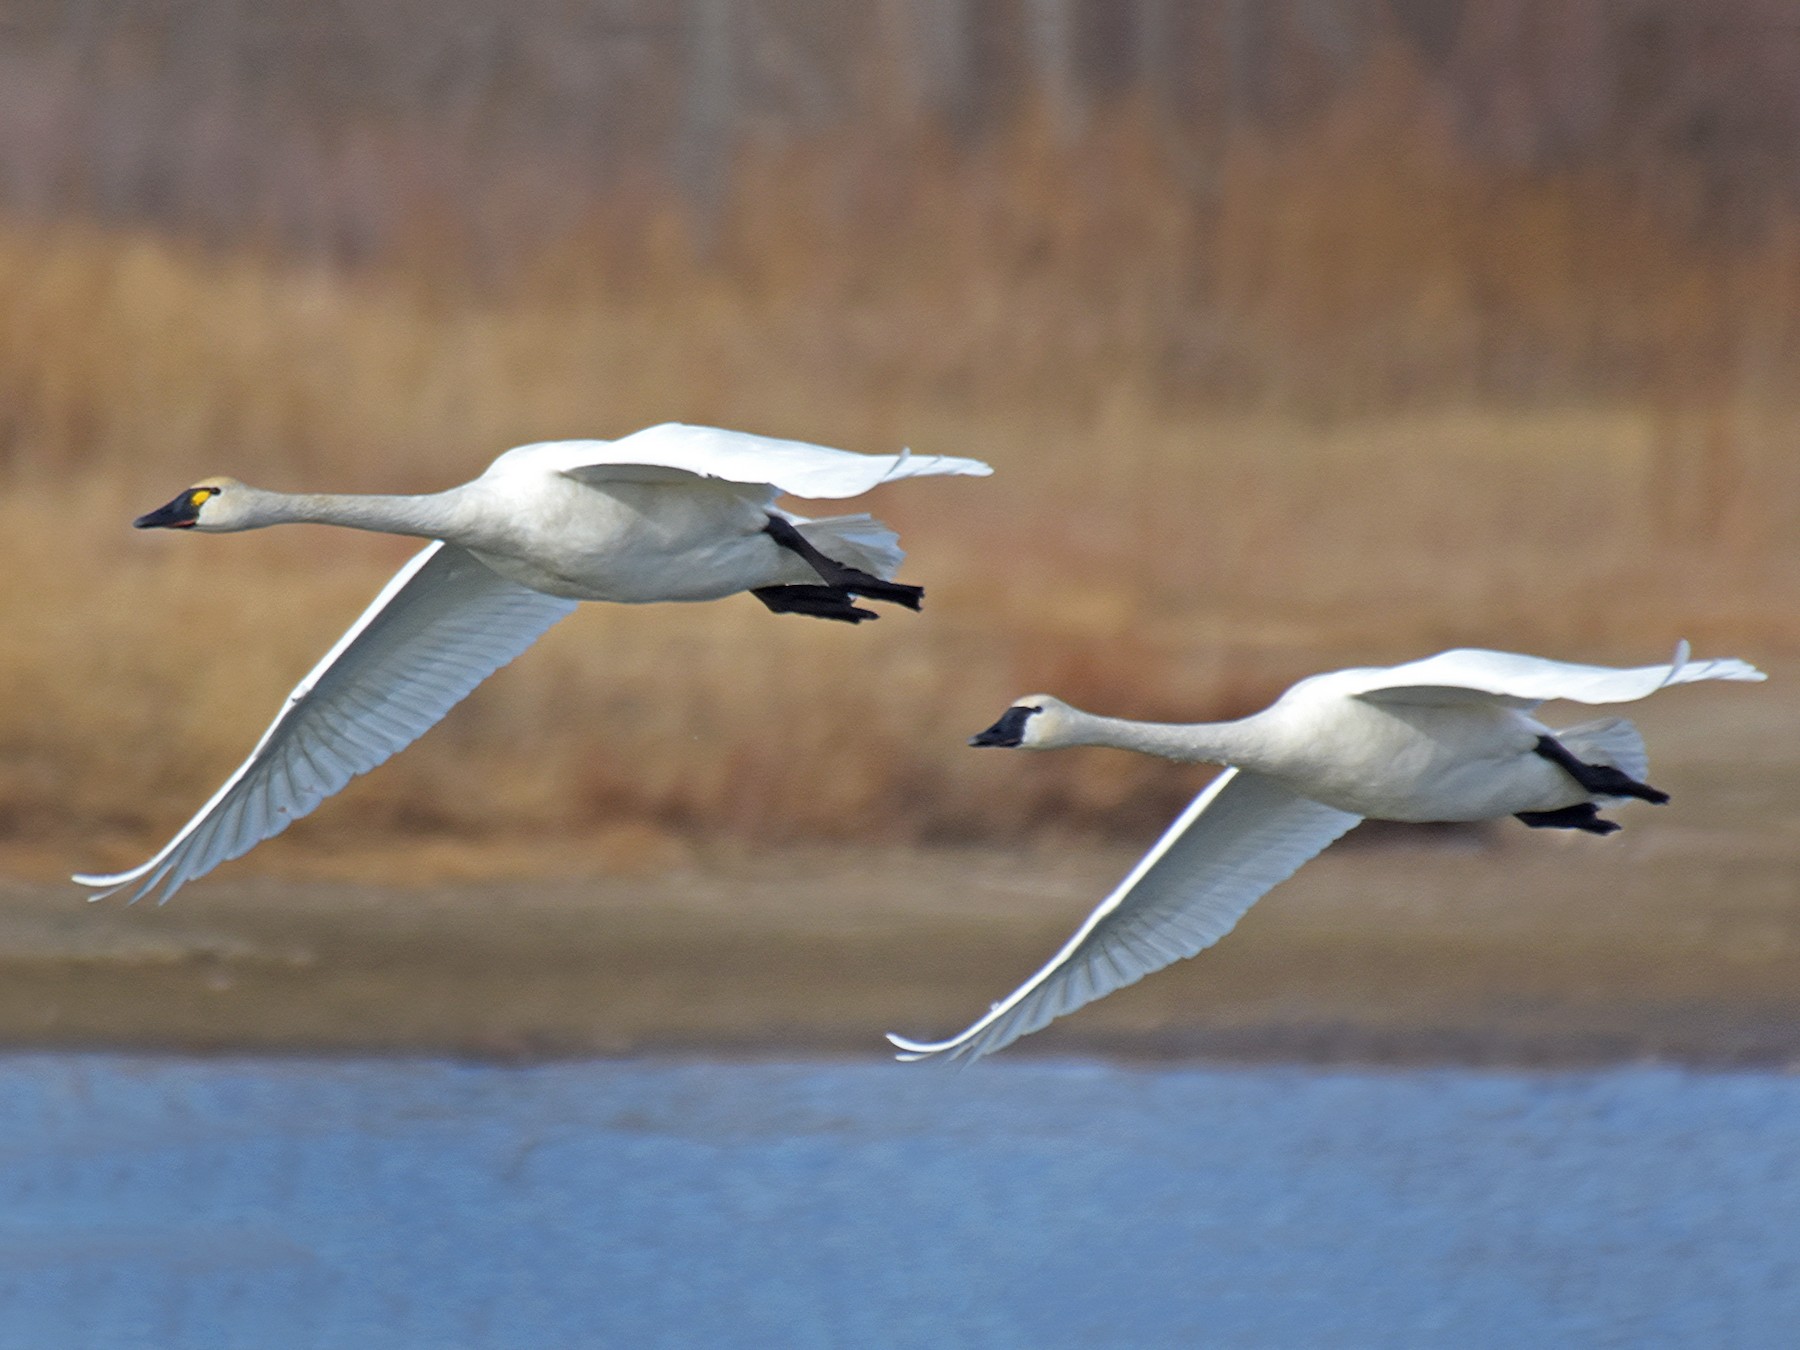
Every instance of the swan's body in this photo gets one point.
(1449, 738)
(670, 513)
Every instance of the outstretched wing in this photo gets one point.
(1526, 681)
(736, 456)
(439, 628)
(1239, 838)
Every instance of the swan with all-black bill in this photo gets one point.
(670, 513)
(1449, 738)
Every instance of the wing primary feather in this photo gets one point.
(1241, 836)
(440, 626)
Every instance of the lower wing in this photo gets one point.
(1242, 836)
(443, 625)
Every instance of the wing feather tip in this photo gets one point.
(908, 465)
(913, 1052)
(104, 887)
(1685, 670)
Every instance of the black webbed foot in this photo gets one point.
(1600, 779)
(1584, 816)
(840, 576)
(821, 602)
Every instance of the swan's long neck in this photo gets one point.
(1238, 742)
(438, 515)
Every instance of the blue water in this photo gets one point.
(268, 1204)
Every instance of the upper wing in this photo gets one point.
(739, 457)
(1243, 835)
(1525, 681)
(439, 628)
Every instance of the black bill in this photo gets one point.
(179, 514)
(1009, 731)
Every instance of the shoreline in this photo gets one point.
(1492, 948)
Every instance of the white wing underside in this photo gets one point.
(1469, 674)
(1242, 836)
(442, 625)
(793, 467)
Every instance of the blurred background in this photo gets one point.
(1300, 333)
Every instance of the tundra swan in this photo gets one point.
(668, 513)
(1448, 738)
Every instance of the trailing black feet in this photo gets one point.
(1585, 816)
(837, 575)
(1600, 779)
(821, 602)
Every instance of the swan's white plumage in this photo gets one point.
(1446, 738)
(1239, 838)
(545, 527)
(793, 467)
(1471, 674)
(439, 628)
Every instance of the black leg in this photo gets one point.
(839, 575)
(1600, 779)
(822, 602)
(1585, 816)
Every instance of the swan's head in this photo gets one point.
(1032, 723)
(211, 504)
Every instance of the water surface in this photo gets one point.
(274, 1203)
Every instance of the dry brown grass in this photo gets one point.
(1370, 403)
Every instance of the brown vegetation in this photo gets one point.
(1364, 401)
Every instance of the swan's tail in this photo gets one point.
(857, 541)
(1611, 740)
